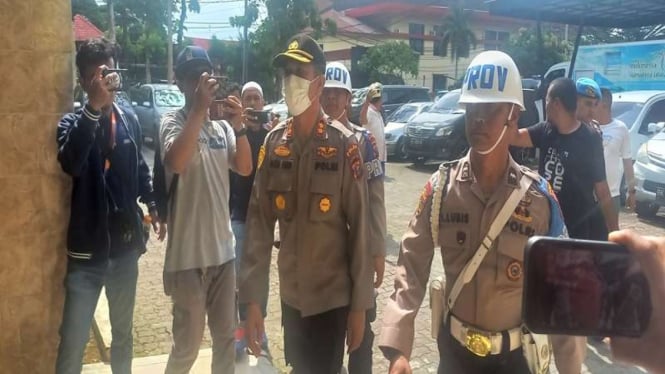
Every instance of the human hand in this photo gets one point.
(232, 110)
(254, 328)
(400, 365)
(355, 329)
(158, 225)
(650, 253)
(379, 270)
(205, 92)
(100, 94)
(630, 201)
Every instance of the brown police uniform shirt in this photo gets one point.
(492, 301)
(317, 191)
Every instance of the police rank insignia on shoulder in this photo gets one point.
(427, 192)
(262, 156)
(353, 158)
(326, 152)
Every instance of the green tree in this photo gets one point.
(391, 58)
(457, 35)
(523, 47)
(285, 18)
(141, 32)
(95, 13)
(600, 35)
(186, 6)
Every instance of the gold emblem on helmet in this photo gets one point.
(294, 45)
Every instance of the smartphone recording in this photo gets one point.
(586, 288)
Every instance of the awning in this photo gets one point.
(600, 13)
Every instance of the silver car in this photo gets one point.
(395, 124)
(650, 173)
(151, 101)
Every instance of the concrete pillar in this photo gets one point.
(36, 52)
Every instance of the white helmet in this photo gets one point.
(338, 76)
(492, 77)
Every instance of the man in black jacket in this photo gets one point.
(100, 147)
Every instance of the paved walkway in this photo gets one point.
(152, 321)
(157, 364)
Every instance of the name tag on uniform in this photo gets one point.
(326, 165)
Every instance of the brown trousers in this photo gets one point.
(194, 293)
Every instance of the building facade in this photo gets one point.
(366, 23)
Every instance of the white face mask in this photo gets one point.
(296, 94)
(503, 132)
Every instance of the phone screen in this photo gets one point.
(578, 287)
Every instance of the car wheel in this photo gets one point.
(645, 209)
(401, 151)
(418, 161)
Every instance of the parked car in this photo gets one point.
(121, 97)
(440, 93)
(439, 133)
(638, 109)
(278, 108)
(393, 97)
(394, 131)
(151, 101)
(650, 173)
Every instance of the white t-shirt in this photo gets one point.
(616, 145)
(376, 127)
(199, 222)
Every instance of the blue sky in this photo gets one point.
(213, 19)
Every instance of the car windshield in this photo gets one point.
(626, 111)
(359, 96)
(448, 103)
(403, 114)
(169, 98)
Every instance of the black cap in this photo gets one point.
(301, 48)
(191, 56)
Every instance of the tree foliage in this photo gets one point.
(457, 35)
(185, 7)
(90, 9)
(523, 48)
(390, 58)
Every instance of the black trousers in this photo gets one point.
(360, 360)
(314, 344)
(456, 359)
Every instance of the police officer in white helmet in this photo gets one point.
(480, 210)
(336, 100)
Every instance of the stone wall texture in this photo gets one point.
(36, 77)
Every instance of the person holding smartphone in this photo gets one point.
(99, 146)
(257, 124)
(199, 268)
(482, 330)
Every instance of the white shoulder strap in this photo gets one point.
(437, 196)
(500, 221)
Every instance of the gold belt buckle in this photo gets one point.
(478, 343)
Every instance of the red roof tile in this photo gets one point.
(84, 29)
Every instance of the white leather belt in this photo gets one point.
(483, 343)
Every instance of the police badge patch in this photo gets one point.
(353, 158)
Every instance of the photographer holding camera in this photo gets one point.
(199, 272)
(99, 146)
